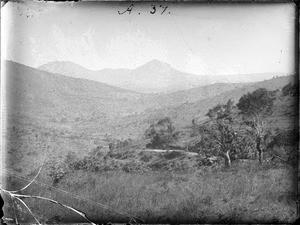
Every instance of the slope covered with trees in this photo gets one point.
(246, 130)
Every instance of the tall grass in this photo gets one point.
(248, 192)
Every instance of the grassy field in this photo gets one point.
(246, 193)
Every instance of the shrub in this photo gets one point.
(121, 154)
(284, 144)
(117, 144)
(146, 158)
(290, 90)
(98, 152)
(284, 138)
(83, 164)
(70, 159)
(161, 134)
(57, 172)
(134, 166)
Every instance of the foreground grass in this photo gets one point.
(248, 192)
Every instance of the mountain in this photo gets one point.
(36, 96)
(156, 76)
(152, 77)
(45, 96)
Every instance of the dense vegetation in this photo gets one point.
(234, 131)
(161, 134)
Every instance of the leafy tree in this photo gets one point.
(161, 134)
(220, 130)
(255, 107)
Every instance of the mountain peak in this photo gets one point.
(156, 65)
(157, 61)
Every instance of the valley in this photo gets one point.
(89, 138)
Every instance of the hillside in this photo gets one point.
(45, 96)
(193, 94)
(152, 77)
(35, 96)
(95, 108)
(183, 114)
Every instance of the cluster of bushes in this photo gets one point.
(130, 162)
(161, 134)
(97, 165)
(231, 132)
(284, 138)
(284, 145)
(116, 144)
(127, 161)
(57, 172)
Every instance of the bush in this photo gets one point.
(284, 138)
(98, 152)
(124, 154)
(134, 166)
(70, 159)
(83, 164)
(57, 172)
(290, 90)
(208, 161)
(121, 144)
(284, 145)
(174, 161)
(161, 134)
(146, 158)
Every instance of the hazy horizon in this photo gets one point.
(200, 39)
(275, 73)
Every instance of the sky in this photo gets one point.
(202, 39)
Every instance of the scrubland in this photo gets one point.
(248, 192)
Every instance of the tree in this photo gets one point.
(255, 107)
(161, 134)
(220, 130)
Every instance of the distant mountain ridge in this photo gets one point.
(152, 77)
(39, 97)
